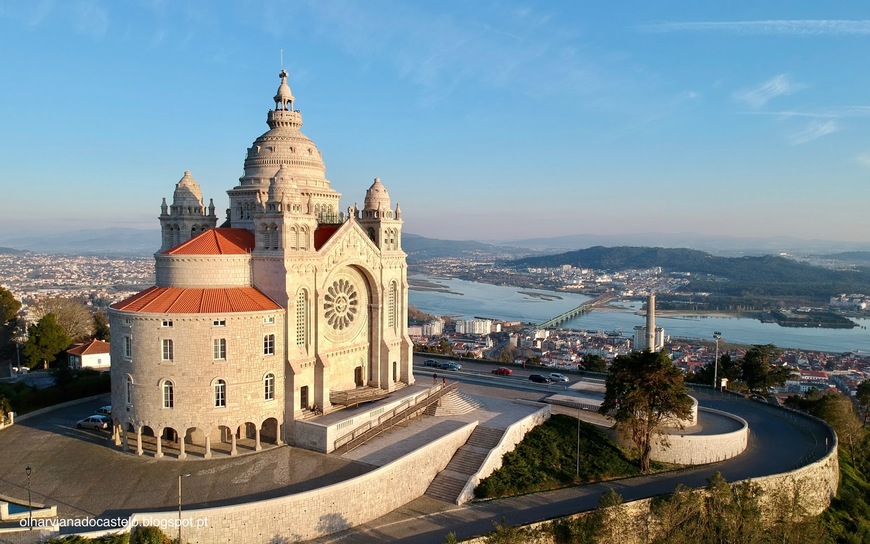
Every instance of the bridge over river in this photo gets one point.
(600, 300)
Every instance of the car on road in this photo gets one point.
(94, 422)
(430, 362)
(556, 377)
(104, 411)
(451, 366)
(502, 371)
(537, 378)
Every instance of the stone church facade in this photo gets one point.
(260, 322)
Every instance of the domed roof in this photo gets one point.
(187, 192)
(285, 145)
(282, 184)
(377, 197)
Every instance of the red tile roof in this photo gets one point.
(166, 300)
(91, 347)
(323, 234)
(216, 242)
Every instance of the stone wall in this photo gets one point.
(198, 271)
(513, 435)
(700, 449)
(323, 511)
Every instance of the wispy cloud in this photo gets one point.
(785, 27)
(776, 86)
(90, 18)
(814, 131)
(863, 159)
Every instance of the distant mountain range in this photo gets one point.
(139, 242)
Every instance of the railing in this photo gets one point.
(387, 420)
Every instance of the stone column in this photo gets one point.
(159, 453)
(257, 445)
(116, 433)
(139, 441)
(181, 453)
(207, 446)
(233, 450)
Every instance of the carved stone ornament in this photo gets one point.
(341, 304)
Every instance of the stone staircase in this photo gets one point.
(448, 484)
(452, 404)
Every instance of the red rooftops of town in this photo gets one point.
(163, 300)
(220, 241)
(91, 347)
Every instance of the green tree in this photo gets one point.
(46, 339)
(594, 363)
(759, 372)
(643, 391)
(101, 327)
(70, 314)
(8, 306)
(5, 407)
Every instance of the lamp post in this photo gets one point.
(578, 442)
(28, 471)
(716, 335)
(180, 476)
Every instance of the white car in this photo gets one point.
(556, 377)
(94, 422)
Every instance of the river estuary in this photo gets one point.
(470, 299)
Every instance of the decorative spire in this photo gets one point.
(284, 98)
(398, 211)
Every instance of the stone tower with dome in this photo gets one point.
(261, 322)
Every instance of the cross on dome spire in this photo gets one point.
(284, 98)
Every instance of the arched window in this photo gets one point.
(168, 394)
(220, 394)
(275, 241)
(269, 387)
(128, 396)
(303, 238)
(391, 306)
(302, 317)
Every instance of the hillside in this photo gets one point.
(765, 276)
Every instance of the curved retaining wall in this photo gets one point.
(512, 436)
(319, 512)
(700, 449)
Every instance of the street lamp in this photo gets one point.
(180, 476)
(28, 471)
(716, 335)
(578, 442)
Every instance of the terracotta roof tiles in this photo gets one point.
(216, 242)
(166, 300)
(91, 347)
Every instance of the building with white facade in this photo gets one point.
(258, 322)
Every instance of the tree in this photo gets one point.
(8, 306)
(644, 390)
(758, 371)
(70, 314)
(594, 363)
(46, 339)
(101, 327)
(5, 408)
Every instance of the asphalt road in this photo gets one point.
(779, 441)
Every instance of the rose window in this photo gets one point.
(341, 304)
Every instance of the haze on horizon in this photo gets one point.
(491, 120)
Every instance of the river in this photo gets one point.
(471, 299)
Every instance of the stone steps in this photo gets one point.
(452, 404)
(448, 484)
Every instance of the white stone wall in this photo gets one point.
(327, 510)
(194, 370)
(513, 435)
(196, 271)
(700, 449)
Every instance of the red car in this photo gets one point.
(502, 371)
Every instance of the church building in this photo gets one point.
(268, 318)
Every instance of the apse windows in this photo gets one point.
(302, 318)
(128, 392)
(219, 349)
(168, 350)
(269, 344)
(269, 387)
(168, 394)
(220, 394)
(128, 346)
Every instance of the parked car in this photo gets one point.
(104, 411)
(451, 366)
(537, 378)
(94, 422)
(556, 377)
(430, 362)
(502, 371)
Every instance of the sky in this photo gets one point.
(488, 120)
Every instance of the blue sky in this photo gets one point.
(484, 119)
